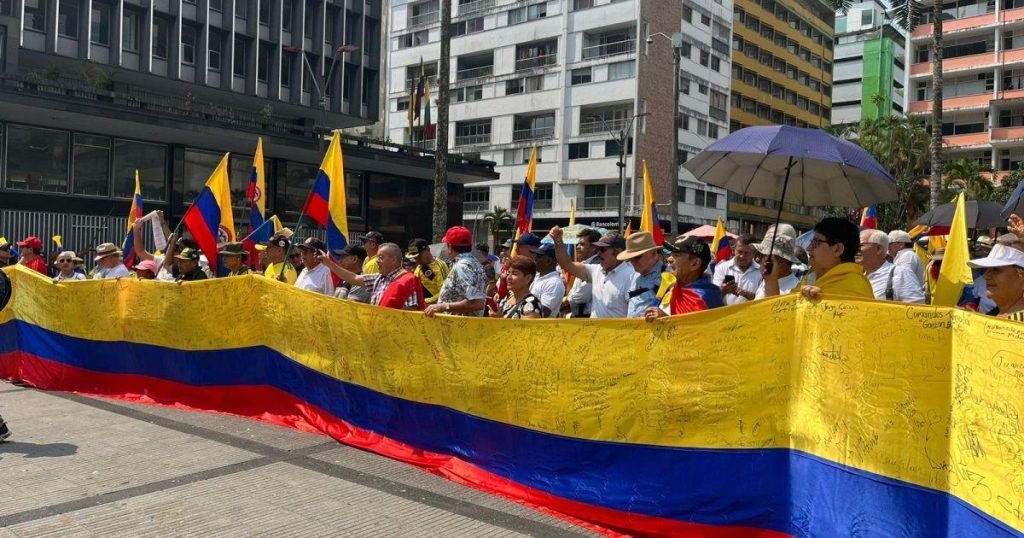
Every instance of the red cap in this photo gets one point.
(458, 236)
(32, 242)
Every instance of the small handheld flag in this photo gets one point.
(134, 214)
(58, 241)
(720, 248)
(649, 221)
(869, 218)
(210, 219)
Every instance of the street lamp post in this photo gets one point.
(621, 137)
(325, 84)
(677, 48)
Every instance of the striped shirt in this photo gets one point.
(378, 283)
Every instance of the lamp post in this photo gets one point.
(677, 47)
(621, 137)
(325, 84)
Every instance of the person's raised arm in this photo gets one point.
(140, 245)
(564, 261)
(344, 274)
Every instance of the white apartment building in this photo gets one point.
(568, 76)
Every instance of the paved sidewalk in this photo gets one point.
(79, 466)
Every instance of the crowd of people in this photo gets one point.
(603, 276)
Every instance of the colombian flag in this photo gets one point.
(209, 219)
(869, 218)
(649, 221)
(257, 196)
(524, 213)
(326, 202)
(134, 214)
(720, 248)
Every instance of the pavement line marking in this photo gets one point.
(271, 454)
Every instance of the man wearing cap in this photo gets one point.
(6, 256)
(108, 262)
(645, 257)
(890, 282)
(315, 276)
(65, 263)
(187, 260)
(1004, 277)
(739, 277)
(232, 255)
(394, 287)
(371, 242)
(580, 294)
(351, 258)
(548, 286)
(784, 257)
(693, 290)
(431, 271)
(464, 291)
(901, 252)
(277, 246)
(31, 247)
(610, 279)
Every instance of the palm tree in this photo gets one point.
(965, 175)
(440, 209)
(497, 220)
(908, 16)
(878, 99)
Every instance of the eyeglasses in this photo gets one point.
(816, 242)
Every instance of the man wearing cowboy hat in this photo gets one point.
(188, 265)
(31, 249)
(693, 290)
(108, 262)
(643, 254)
(233, 255)
(784, 257)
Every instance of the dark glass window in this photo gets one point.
(67, 18)
(91, 172)
(151, 162)
(100, 23)
(161, 37)
(130, 31)
(35, 15)
(42, 159)
(580, 150)
(215, 50)
(188, 44)
(241, 49)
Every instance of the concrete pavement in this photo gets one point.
(80, 466)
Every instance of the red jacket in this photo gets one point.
(398, 292)
(38, 265)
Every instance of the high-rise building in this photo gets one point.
(869, 68)
(91, 91)
(571, 78)
(781, 75)
(982, 79)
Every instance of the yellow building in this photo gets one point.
(781, 75)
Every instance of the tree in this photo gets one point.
(908, 16)
(497, 220)
(1005, 188)
(966, 175)
(440, 209)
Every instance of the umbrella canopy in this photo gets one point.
(705, 232)
(980, 215)
(795, 165)
(1015, 205)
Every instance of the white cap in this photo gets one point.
(1001, 256)
(899, 236)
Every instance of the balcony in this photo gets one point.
(960, 102)
(474, 72)
(596, 126)
(964, 141)
(424, 19)
(604, 50)
(476, 207)
(473, 7)
(956, 25)
(540, 61)
(962, 63)
(537, 133)
(599, 203)
(1007, 134)
(471, 140)
(1008, 57)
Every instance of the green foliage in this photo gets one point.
(966, 176)
(1008, 184)
(497, 220)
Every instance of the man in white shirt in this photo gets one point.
(315, 276)
(580, 295)
(610, 279)
(783, 256)
(108, 262)
(739, 277)
(901, 252)
(889, 282)
(548, 286)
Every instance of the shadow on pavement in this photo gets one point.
(33, 450)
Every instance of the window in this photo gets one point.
(91, 174)
(705, 198)
(286, 15)
(545, 192)
(100, 24)
(467, 27)
(401, 104)
(581, 76)
(582, 4)
(867, 17)
(161, 37)
(603, 196)
(684, 86)
(42, 163)
(469, 93)
(620, 70)
(579, 150)
(215, 50)
(705, 57)
(67, 18)
(477, 199)
(705, 19)
(524, 85)
(414, 39)
(684, 50)
(242, 9)
(473, 132)
(264, 11)
(241, 50)
(188, 44)
(716, 63)
(130, 31)
(217, 5)
(611, 147)
(702, 89)
(262, 61)
(35, 15)
(533, 127)
(312, 10)
(687, 13)
(712, 131)
(286, 69)
(534, 55)
(528, 13)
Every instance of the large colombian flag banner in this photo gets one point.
(835, 418)
(210, 219)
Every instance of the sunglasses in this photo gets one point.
(65, 261)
